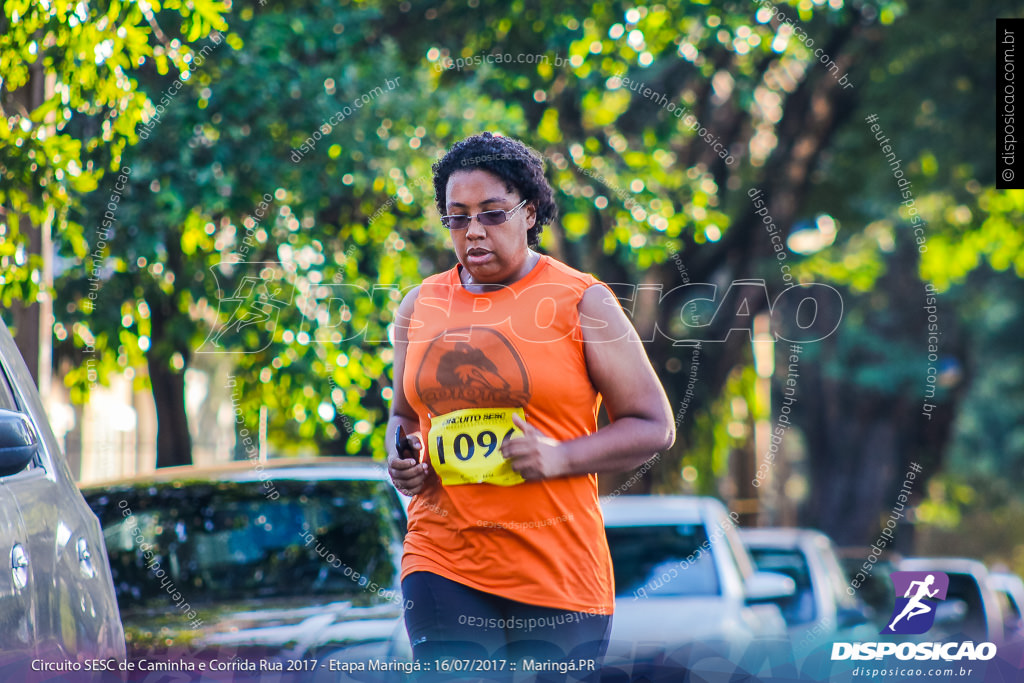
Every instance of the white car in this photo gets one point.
(57, 603)
(686, 588)
(821, 608)
(1010, 589)
(971, 610)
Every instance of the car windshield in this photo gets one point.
(221, 541)
(1011, 614)
(963, 610)
(663, 560)
(799, 607)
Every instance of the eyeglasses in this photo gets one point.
(496, 217)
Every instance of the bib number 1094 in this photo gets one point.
(464, 447)
(463, 442)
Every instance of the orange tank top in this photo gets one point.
(541, 543)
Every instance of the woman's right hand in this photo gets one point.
(409, 475)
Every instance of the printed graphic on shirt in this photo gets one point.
(472, 367)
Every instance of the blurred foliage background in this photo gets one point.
(244, 213)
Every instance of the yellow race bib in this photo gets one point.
(465, 446)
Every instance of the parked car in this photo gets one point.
(291, 560)
(821, 608)
(1010, 590)
(56, 596)
(685, 585)
(971, 609)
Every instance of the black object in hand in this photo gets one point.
(402, 444)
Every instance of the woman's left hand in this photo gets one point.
(533, 455)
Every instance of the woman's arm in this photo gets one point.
(641, 419)
(408, 474)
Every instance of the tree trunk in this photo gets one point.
(33, 320)
(173, 440)
(856, 459)
(860, 446)
(863, 437)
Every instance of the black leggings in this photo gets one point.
(449, 621)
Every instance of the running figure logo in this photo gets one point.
(914, 613)
(246, 320)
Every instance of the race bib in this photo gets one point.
(465, 446)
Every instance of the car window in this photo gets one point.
(663, 560)
(737, 551)
(1009, 608)
(227, 541)
(963, 610)
(1013, 607)
(798, 608)
(7, 401)
(837, 579)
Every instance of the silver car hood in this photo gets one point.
(679, 620)
(265, 628)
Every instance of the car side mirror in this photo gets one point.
(18, 442)
(769, 586)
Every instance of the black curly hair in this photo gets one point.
(520, 167)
